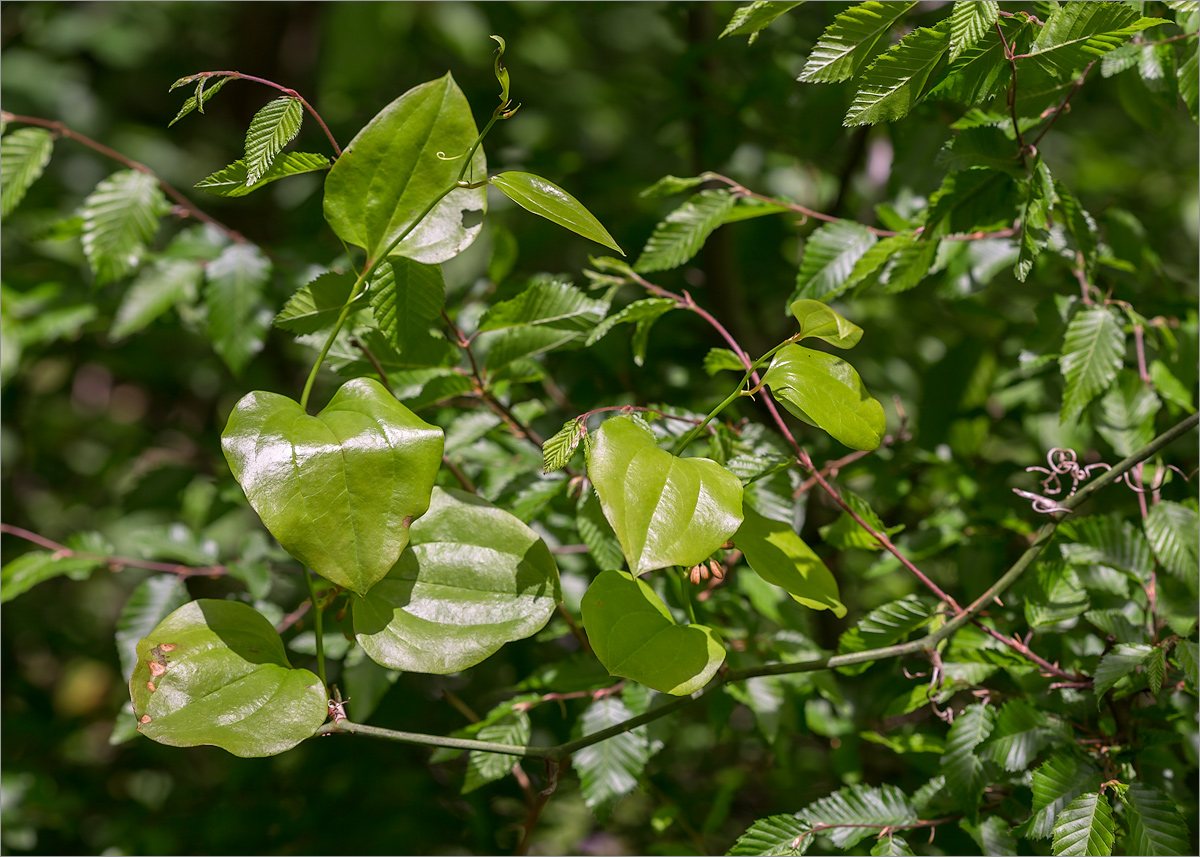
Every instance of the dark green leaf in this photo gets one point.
(775, 836)
(895, 82)
(237, 319)
(967, 772)
(1111, 541)
(365, 683)
(830, 256)
(865, 808)
(993, 835)
(610, 769)
(683, 233)
(167, 283)
(1092, 351)
(1116, 624)
(1035, 217)
(119, 218)
(973, 200)
(1057, 782)
(883, 626)
(1079, 33)
(23, 156)
(406, 298)
(850, 41)
(215, 672)
(340, 489)
(1127, 413)
(1055, 595)
(1155, 825)
(982, 71)
(1186, 657)
(846, 533)
(891, 845)
(1117, 664)
(671, 185)
(909, 265)
(780, 556)
(1020, 733)
(1085, 828)
(234, 180)
(825, 391)
(511, 727)
(1171, 530)
(548, 200)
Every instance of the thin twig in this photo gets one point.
(576, 631)
(1058, 111)
(370, 355)
(457, 473)
(115, 563)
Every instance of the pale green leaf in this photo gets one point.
(511, 727)
(1127, 413)
(23, 156)
(406, 298)
(681, 235)
(749, 20)
(850, 41)
(234, 180)
(1035, 217)
(891, 845)
(970, 22)
(1170, 387)
(202, 96)
(1187, 78)
(830, 256)
(1085, 827)
(671, 185)
(609, 770)
(1116, 624)
(237, 319)
(120, 217)
(29, 569)
(894, 83)
(1171, 530)
(151, 601)
(646, 309)
(559, 447)
(270, 130)
(1092, 351)
(1186, 657)
(546, 199)
(551, 302)
(780, 556)
(826, 391)
(167, 283)
(721, 360)
(1079, 33)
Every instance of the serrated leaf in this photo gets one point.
(1108, 540)
(1155, 824)
(749, 20)
(1080, 225)
(982, 71)
(1093, 348)
(120, 217)
(969, 22)
(597, 533)
(993, 835)
(909, 265)
(552, 302)
(779, 556)
(891, 845)
(215, 672)
(846, 533)
(645, 310)
(513, 727)
(973, 200)
(722, 360)
(1020, 733)
(23, 157)
(827, 392)
(1035, 218)
(775, 836)
(894, 83)
(671, 185)
(883, 626)
(876, 807)
(1171, 530)
(1057, 782)
(1156, 669)
(1055, 595)
(967, 772)
(830, 256)
(609, 770)
(546, 199)
(1127, 413)
(317, 305)
(850, 41)
(158, 288)
(205, 93)
(1079, 33)
(681, 235)
(237, 319)
(406, 298)
(1085, 827)
(272, 128)
(1187, 78)
(1116, 624)
(234, 180)
(149, 603)
(560, 446)
(871, 264)
(1120, 662)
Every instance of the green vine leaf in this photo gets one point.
(825, 391)
(1085, 827)
(681, 235)
(23, 157)
(895, 82)
(820, 321)
(234, 180)
(780, 556)
(830, 258)
(215, 672)
(120, 217)
(270, 130)
(1155, 825)
(237, 319)
(850, 41)
(472, 579)
(1092, 351)
(338, 490)
(665, 510)
(546, 199)
(749, 20)
(632, 633)
(970, 22)
(775, 836)
(400, 163)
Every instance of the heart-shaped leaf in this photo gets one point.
(665, 510)
(340, 489)
(473, 578)
(820, 321)
(215, 672)
(773, 549)
(401, 162)
(634, 636)
(548, 200)
(826, 392)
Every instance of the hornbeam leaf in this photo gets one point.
(862, 809)
(559, 447)
(774, 836)
(234, 180)
(670, 185)
(1171, 530)
(1155, 825)
(193, 103)
(883, 626)
(23, 156)
(1080, 33)
(1120, 662)
(895, 82)
(850, 41)
(830, 256)
(681, 235)
(967, 772)
(215, 672)
(511, 726)
(152, 601)
(157, 288)
(317, 305)
(546, 199)
(406, 297)
(270, 130)
(609, 770)
(1085, 828)
(969, 22)
(1057, 782)
(237, 319)
(757, 16)
(1127, 412)
(1091, 355)
(119, 218)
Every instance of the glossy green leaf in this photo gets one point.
(406, 298)
(1155, 824)
(202, 96)
(722, 360)
(830, 257)
(681, 235)
(850, 41)
(546, 199)
(665, 510)
(152, 601)
(156, 290)
(1085, 828)
(401, 162)
(317, 305)
(23, 156)
(1057, 782)
(749, 20)
(780, 556)
(472, 579)
(559, 447)
(970, 22)
(820, 321)
(1080, 33)
(338, 490)
(1171, 530)
(634, 636)
(895, 82)
(215, 672)
(234, 180)
(119, 218)
(858, 811)
(882, 627)
(825, 391)
(609, 770)
(1123, 660)
(237, 319)
(774, 836)
(1092, 351)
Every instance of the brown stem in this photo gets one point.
(370, 355)
(187, 205)
(1058, 111)
(116, 563)
(292, 618)
(575, 694)
(1012, 93)
(576, 631)
(457, 473)
(534, 812)
(1023, 649)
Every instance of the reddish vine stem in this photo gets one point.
(291, 93)
(1022, 648)
(576, 631)
(1058, 111)
(575, 694)
(1012, 93)
(292, 618)
(189, 208)
(116, 563)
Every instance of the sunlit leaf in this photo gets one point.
(1091, 355)
(1085, 827)
(895, 82)
(969, 22)
(120, 217)
(830, 256)
(546, 199)
(850, 41)
(825, 391)
(23, 156)
(234, 180)
(237, 319)
(780, 556)
(155, 291)
(681, 235)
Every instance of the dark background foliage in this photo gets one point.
(123, 437)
